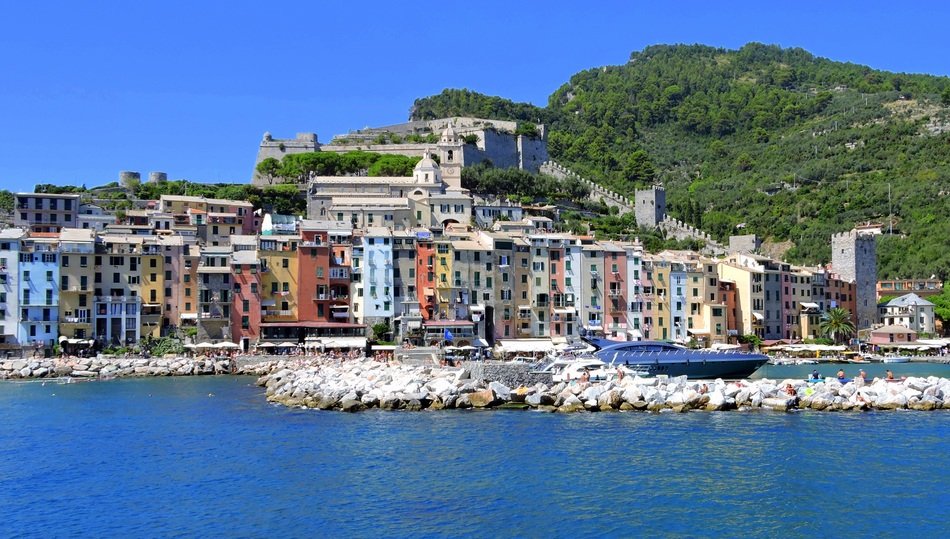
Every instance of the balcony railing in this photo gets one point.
(279, 312)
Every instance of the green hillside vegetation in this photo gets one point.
(794, 146)
(297, 168)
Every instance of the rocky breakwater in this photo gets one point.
(358, 385)
(110, 367)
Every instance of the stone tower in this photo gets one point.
(650, 206)
(854, 258)
(450, 157)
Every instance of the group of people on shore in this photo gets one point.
(842, 377)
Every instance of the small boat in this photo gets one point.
(895, 359)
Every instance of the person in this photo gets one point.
(890, 375)
(815, 375)
(840, 374)
(620, 374)
(862, 375)
(586, 376)
(790, 390)
(703, 389)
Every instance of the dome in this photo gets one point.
(427, 170)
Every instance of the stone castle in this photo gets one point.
(494, 140)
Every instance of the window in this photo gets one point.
(285, 262)
(245, 322)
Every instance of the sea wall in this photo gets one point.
(111, 367)
(512, 374)
(357, 385)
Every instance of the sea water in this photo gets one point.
(209, 457)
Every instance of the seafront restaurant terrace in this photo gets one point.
(325, 334)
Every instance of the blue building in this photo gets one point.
(39, 291)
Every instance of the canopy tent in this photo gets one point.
(524, 345)
(344, 342)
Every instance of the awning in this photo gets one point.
(414, 324)
(758, 316)
(808, 305)
(635, 333)
(344, 342)
(594, 328)
(564, 310)
(524, 307)
(477, 308)
(524, 345)
(481, 343)
(698, 331)
(189, 316)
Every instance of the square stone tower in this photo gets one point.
(854, 258)
(650, 206)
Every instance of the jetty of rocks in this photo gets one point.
(361, 384)
(106, 367)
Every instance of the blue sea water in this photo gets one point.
(208, 457)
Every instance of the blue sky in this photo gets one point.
(189, 87)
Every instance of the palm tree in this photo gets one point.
(836, 324)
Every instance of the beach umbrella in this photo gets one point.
(190, 346)
(287, 345)
(204, 345)
(227, 344)
(266, 345)
(467, 348)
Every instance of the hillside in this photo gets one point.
(760, 140)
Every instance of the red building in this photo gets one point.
(246, 305)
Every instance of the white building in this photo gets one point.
(910, 311)
(374, 300)
(9, 289)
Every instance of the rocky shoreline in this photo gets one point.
(358, 385)
(110, 367)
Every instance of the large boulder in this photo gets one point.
(501, 391)
(483, 399)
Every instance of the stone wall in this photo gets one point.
(512, 374)
(748, 243)
(597, 192)
(674, 228)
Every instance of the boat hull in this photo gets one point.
(701, 369)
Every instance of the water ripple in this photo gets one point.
(162, 458)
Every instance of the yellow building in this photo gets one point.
(76, 273)
(279, 287)
(152, 289)
(444, 284)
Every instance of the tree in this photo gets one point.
(269, 168)
(945, 96)
(836, 324)
(941, 303)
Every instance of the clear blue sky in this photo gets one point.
(89, 89)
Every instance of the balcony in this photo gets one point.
(614, 293)
(311, 244)
(524, 331)
(279, 312)
(212, 316)
(75, 320)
